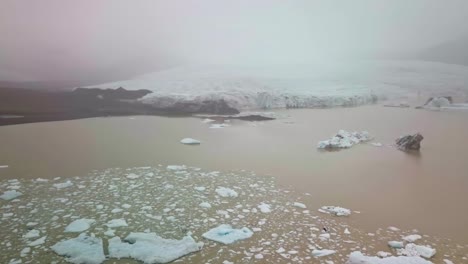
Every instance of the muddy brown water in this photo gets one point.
(427, 191)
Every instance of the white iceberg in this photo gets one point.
(37, 242)
(79, 225)
(116, 223)
(226, 192)
(322, 252)
(32, 234)
(176, 167)
(10, 195)
(227, 235)
(63, 185)
(151, 248)
(335, 210)
(357, 257)
(344, 139)
(396, 244)
(264, 208)
(412, 238)
(299, 205)
(80, 250)
(190, 141)
(205, 205)
(417, 250)
(219, 125)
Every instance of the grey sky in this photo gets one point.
(64, 39)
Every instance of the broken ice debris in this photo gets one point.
(409, 142)
(205, 205)
(116, 223)
(417, 250)
(151, 248)
(357, 257)
(335, 210)
(300, 205)
(264, 208)
(190, 141)
(344, 139)
(219, 125)
(82, 249)
(322, 252)
(412, 238)
(396, 244)
(9, 195)
(227, 235)
(79, 225)
(226, 192)
(63, 185)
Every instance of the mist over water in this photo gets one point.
(115, 40)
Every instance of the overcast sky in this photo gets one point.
(65, 39)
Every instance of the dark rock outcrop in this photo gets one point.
(410, 142)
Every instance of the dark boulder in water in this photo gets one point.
(410, 142)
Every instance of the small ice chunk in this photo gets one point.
(9, 195)
(264, 208)
(116, 210)
(63, 185)
(132, 176)
(412, 238)
(346, 231)
(376, 144)
(3, 166)
(219, 125)
(394, 229)
(344, 139)
(227, 235)
(110, 233)
(417, 250)
(258, 256)
(226, 192)
(37, 242)
(190, 141)
(300, 205)
(82, 249)
(79, 225)
(32, 234)
(205, 205)
(176, 167)
(335, 210)
(151, 248)
(200, 188)
(116, 223)
(322, 252)
(383, 254)
(396, 244)
(357, 257)
(207, 120)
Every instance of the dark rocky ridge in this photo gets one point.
(41, 106)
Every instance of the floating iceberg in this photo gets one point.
(190, 141)
(358, 258)
(9, 195)
(82, 249)
(226, 192)
(63, 185)
(116, 223)
(227, 235)
(344, 139)
(322, 253)
(335, 210)
(417, 250)
(264, 208)
(412, 238)
(396, 244)
(300, 205)
(219, 125)
(79, 225)
(151, 248)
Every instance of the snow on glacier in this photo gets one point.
(332, 84)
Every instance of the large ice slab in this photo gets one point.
(358, 258)
(83, 249)
(227, 235)
(151, 248)
(226, 192)
(79, 225)
(344, 139)
(10, 195)
(335, 210)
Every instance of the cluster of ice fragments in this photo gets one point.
(160, 214)
(344, 139)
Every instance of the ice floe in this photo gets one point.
(190, 141)
(412, 238)
(83, 249)
(205, 205)
(227, 235)
(116, 223)
(344, 139)
(357, 257)
(79, 225)
(264, 208)
(335, 210)
(151, 248)
(63, 185)
(226, 192)
(322, 252)
(300, 205)
(417, 250)
(10, 195)
(396, 244)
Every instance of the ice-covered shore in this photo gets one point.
(335, 84)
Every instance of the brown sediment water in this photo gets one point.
(425, 191)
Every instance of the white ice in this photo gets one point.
(79, 225)
(32, 234)
(151, 248)
(322, 252)
(395, 244)
(226, 192)
(417, 250)
(344, 139)
(358, 258)
(83, 249)
(63, 185)
(227, 235)
(264, 208)
(9, 195)
(335, 210)
(300, 205)
(190, 141)
(205, 205)
(116, 223)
